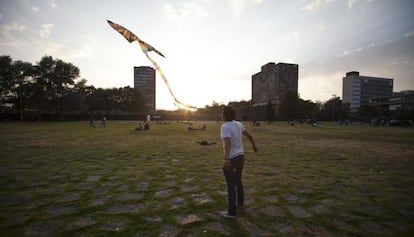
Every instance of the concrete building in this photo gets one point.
(272, 82)
(403, 100)
(358, 90)
(144, 81)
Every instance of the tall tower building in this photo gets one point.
(358, 90)
(144, 82)
(273, 81)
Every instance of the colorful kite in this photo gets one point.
(145, 49)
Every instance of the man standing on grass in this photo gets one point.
(231, 134)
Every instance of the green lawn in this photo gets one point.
(67, 179)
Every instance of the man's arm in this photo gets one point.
(250, 137)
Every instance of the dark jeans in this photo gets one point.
(233, 175)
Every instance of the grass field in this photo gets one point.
(67, 179)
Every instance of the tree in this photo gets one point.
(211, 111)
(22, 73)
(15, 83)
(116, 100)
(131, 100)
(331, 109)
(289, 105)
(6, 68)
(98, 100)
(307, 109)
(54, 80)
(75, 100)
(50, 87)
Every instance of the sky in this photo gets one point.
(213, 47)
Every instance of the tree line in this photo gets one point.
(51, 88)
(291, 108)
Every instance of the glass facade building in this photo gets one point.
(144, 82)
(359, 90)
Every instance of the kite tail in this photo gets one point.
(166, 81)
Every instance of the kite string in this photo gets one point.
(158, 68)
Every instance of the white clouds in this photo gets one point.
(46, 29)
(317, 4)
(321, 26)
(53, 4)
(349, 52)
(409, 34)
(320, 86)
(372, 45)
(353, 3)
(7, 35)
(35, 9)
(314, 5)
(402, 62)
(184, 12)
(292, 37)
(237, 7)
(13, 26)
(86, 50)
(192, 10)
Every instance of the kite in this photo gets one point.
(145, 47)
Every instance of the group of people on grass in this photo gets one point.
(92, 121)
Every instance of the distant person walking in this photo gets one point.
(231, 135)
(103, 121)
(91, 119)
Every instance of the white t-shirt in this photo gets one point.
(234, 131)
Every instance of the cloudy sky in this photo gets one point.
(213, 47)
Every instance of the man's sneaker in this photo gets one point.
(225, 214)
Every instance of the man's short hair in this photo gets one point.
(229, 113)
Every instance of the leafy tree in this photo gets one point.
(54, 80)
(75, 100)
(289, 105)
(307, 109)
(22, 74)
(50, 87)
(98, 100)
(132, 100)
(15, 83)
(212, 111)
(115, 100)
(6, 68)
(366, 111)
(331, 109)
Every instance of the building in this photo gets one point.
(403, 100)
(144, 81)
(358, 90)
(272, 82)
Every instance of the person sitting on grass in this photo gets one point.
(203, 128)
(139, 128)
(146, 126)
